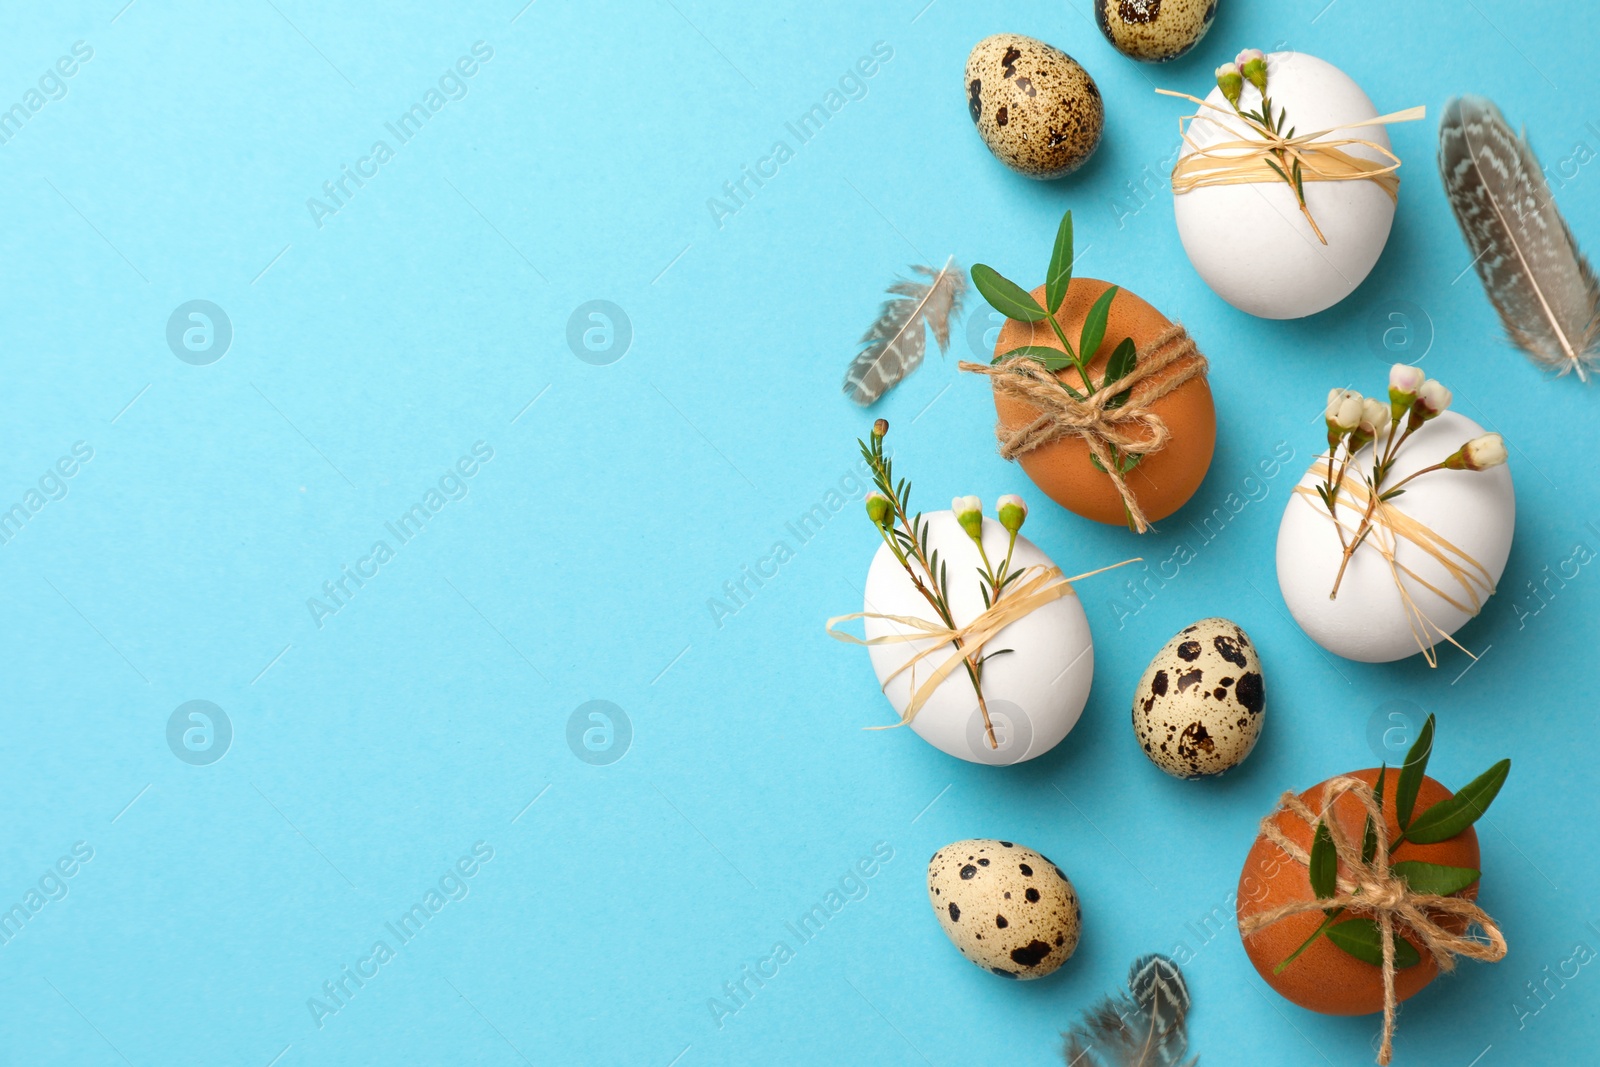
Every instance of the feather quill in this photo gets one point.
(1542, 286)
(1146, 1027)
(897, 340)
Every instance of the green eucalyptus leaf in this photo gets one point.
(1434, 878)
(1448, 818)
(1039, 354)
(1363, 939)
(1324, 865)
(1060, 274)
(1006, 296)
(1094, 326)
(1123, 359)
(1130, 461)
(1411, 773)
(1369, 836)
(1095, 461)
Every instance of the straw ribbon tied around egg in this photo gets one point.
(1247, 158)
(1371, 888)
(1038, 587)
(1132, 429)
(1390, 526)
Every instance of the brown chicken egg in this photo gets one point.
(1163, 481)
(1325, 978)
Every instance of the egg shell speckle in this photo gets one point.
(1198, 709)
(1154, 30)
(1036, 108)
(1007, 908)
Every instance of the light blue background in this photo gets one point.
(372, 352)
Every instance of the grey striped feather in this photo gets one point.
(1146, 1027)
(897, 340)
(1542, 286)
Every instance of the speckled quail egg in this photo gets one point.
(1007, 908)
(1154, 30)
(1036, 108)
(1199, 707)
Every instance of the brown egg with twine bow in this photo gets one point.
(1326, 876)
(1102, 400)
(1170, 411)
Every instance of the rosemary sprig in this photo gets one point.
(907, 535)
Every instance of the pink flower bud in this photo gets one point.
(969, 513)
(1432, 398)
(1479, 454)
(1013, 512)
(1253, 65)
(1231, 82)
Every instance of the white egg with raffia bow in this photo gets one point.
(1035, 692)
(1474, 511)
(1250, 242)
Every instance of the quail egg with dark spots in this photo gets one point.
(1199, 707)
(1036, 108)
(1007, 908)
(1154, 30)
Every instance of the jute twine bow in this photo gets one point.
(1244, 160)
(1390, 525)
(1373, 889)
(1133, 428)
(1037, 587)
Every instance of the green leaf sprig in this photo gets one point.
(1362, 937)
(907, 535)
(1017, 304)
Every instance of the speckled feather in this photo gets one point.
(1541, 285)
(1147, 1027)
(896, 341)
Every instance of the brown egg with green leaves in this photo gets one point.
(1090, 334)
(1328, 959)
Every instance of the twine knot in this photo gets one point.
(1130, 428)
(1370, 887)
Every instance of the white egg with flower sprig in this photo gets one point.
(977, 639)
(1240, 214)
(1437, 540)
(1037, 671)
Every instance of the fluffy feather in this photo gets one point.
(896, 342)
(1144, 1028)
(1535, 276)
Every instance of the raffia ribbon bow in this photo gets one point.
(1037, 587)
(1390, 526)
(1245, 158)
(1132, 429)
(1373, 889)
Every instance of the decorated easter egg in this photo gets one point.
(1154, 30)
(1387, 611)
(1250, 242)
(1006, 908)
(1324, 978)
(1064, 469)
(1198, 709)
(1032, 694)
(1036, 108)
